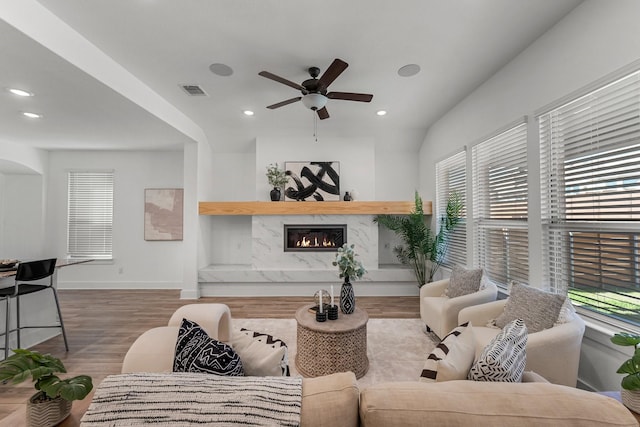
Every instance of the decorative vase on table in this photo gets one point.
(275, 194)
(347, 297)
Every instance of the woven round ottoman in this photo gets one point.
(325, 348)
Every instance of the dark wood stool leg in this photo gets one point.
(64, 334)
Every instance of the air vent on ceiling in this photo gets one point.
(193, 90)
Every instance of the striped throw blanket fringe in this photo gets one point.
(187, 399)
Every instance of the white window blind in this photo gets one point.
(590, 172)
(90, 214)
(451, 177)
(500, 196)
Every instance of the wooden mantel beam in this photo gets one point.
(310, 208)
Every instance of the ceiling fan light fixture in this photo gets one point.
(314, 101)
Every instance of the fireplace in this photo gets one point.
(314, 238)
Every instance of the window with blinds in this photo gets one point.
(451, 177)
(590, 173)
(500, 196)
(90, 215)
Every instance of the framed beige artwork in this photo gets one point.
(163, 213)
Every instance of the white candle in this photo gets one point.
(320, 300)
(331, 295)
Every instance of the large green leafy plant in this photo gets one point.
(423, 249)
(42, 369)
(630, 367)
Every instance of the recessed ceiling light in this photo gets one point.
(31, 115)
(409, 70)
(221, 70)
(19, 92)
(381, 112)
(248, 113)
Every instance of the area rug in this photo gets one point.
(397, 348)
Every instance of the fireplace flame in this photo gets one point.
(308, 243)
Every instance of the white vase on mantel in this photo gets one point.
(631, 399)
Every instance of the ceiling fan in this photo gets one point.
(314, 90)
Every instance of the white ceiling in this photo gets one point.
(161, 44)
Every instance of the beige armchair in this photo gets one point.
(440, 313)
(553, 353)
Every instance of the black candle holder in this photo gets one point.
(321, 317)
(332, 312)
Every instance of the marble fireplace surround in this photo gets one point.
(272, 271)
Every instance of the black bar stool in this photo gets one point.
(29, 272)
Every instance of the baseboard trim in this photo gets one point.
(304, 289)
(119, 285)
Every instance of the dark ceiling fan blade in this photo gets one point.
(323, 113)
(348, 96)
(283, 103)
(280, 80)
(335, 69)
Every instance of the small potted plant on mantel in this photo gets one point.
(277, 178)
(630, 392)
(52, 402)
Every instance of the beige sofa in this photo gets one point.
(336, 400)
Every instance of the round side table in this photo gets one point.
(333, 346)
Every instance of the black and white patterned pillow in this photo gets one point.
(197, 352)
(452, 358)
(262, 354)
(504, 358)
(463, 282)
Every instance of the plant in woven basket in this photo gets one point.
(52, 392)
(631, 368)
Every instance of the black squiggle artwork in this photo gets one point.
(317, 181)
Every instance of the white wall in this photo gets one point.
(137, 263)
(597, 38)
(22, 215)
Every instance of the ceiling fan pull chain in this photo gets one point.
(315, 125)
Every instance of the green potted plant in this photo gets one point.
(53, 398)
(423, 250)
(348, 267)
(630, 392)
(277, 179)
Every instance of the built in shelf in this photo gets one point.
(310, 208)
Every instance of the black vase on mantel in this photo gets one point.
(275, 194)
(347, 297)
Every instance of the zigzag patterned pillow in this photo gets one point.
(262, 354)
(452, 358)
(197, 352)
(504, 358)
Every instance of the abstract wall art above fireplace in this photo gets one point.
(312, 181)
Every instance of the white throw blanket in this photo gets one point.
(186, 399)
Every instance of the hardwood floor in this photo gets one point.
(101, 325)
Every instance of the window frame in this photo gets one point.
(494, 229)
(90, 207)
(559, 227)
